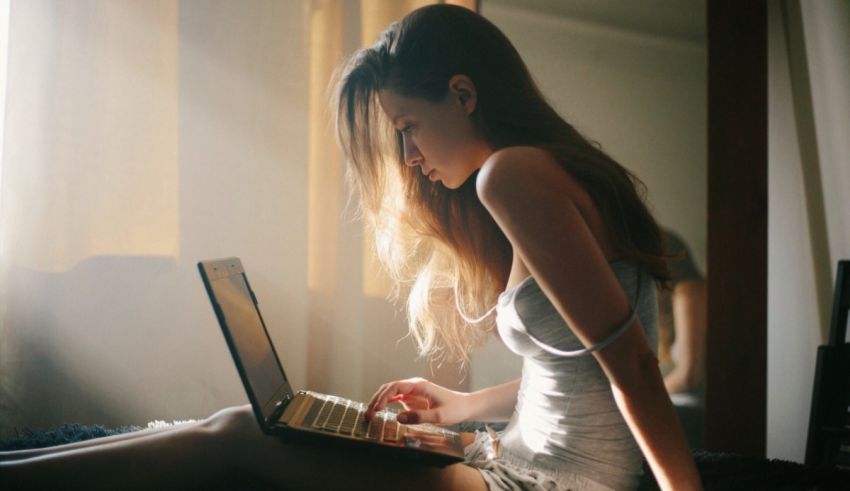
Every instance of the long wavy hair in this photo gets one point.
(440, 246)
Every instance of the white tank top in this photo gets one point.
(566, 420)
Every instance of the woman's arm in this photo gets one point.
(493, 403)
(533, 200)
(427, 402)
(688, 352)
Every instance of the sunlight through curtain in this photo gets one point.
(89, 169)
(141, 137)
(65, 198)
(343, 272)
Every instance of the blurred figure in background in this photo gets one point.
(681, 337)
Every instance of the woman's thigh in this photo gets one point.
(35, 452)
(294, 466)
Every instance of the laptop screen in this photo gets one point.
(246, 333)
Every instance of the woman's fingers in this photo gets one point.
(388, 391)
(411, 402)
(379, 399)
(421, 416)
(423, 402)
(410, 387)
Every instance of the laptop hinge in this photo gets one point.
(280, 407)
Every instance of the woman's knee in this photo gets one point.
(236, 433)
(232, 424)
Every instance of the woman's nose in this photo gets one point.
(412, 157)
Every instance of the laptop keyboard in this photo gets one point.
(345, 417)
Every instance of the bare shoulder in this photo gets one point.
(522, 183)
(521, 170)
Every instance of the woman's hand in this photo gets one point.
(423, 402)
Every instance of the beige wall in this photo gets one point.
(641, 95)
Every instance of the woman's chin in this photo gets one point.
(455, 182)
(449, 184)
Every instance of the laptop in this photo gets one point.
(306, 416)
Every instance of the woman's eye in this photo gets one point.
(407, 129)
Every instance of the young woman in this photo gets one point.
(487, 204)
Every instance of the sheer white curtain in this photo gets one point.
(143, 136)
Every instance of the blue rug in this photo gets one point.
(67, 433)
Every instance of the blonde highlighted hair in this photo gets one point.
(441, 247)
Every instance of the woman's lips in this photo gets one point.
(432, 174)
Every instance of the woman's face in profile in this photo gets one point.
(438, 138)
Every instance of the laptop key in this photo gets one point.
(391, 431)
(313, 412)
(348, 420)
(376, 428)
(325, 411)
(334, 418)
(361, 426)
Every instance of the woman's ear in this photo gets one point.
(463, 91)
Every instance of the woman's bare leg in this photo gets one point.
(225, 446)
(176, 459)
(35, 452)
